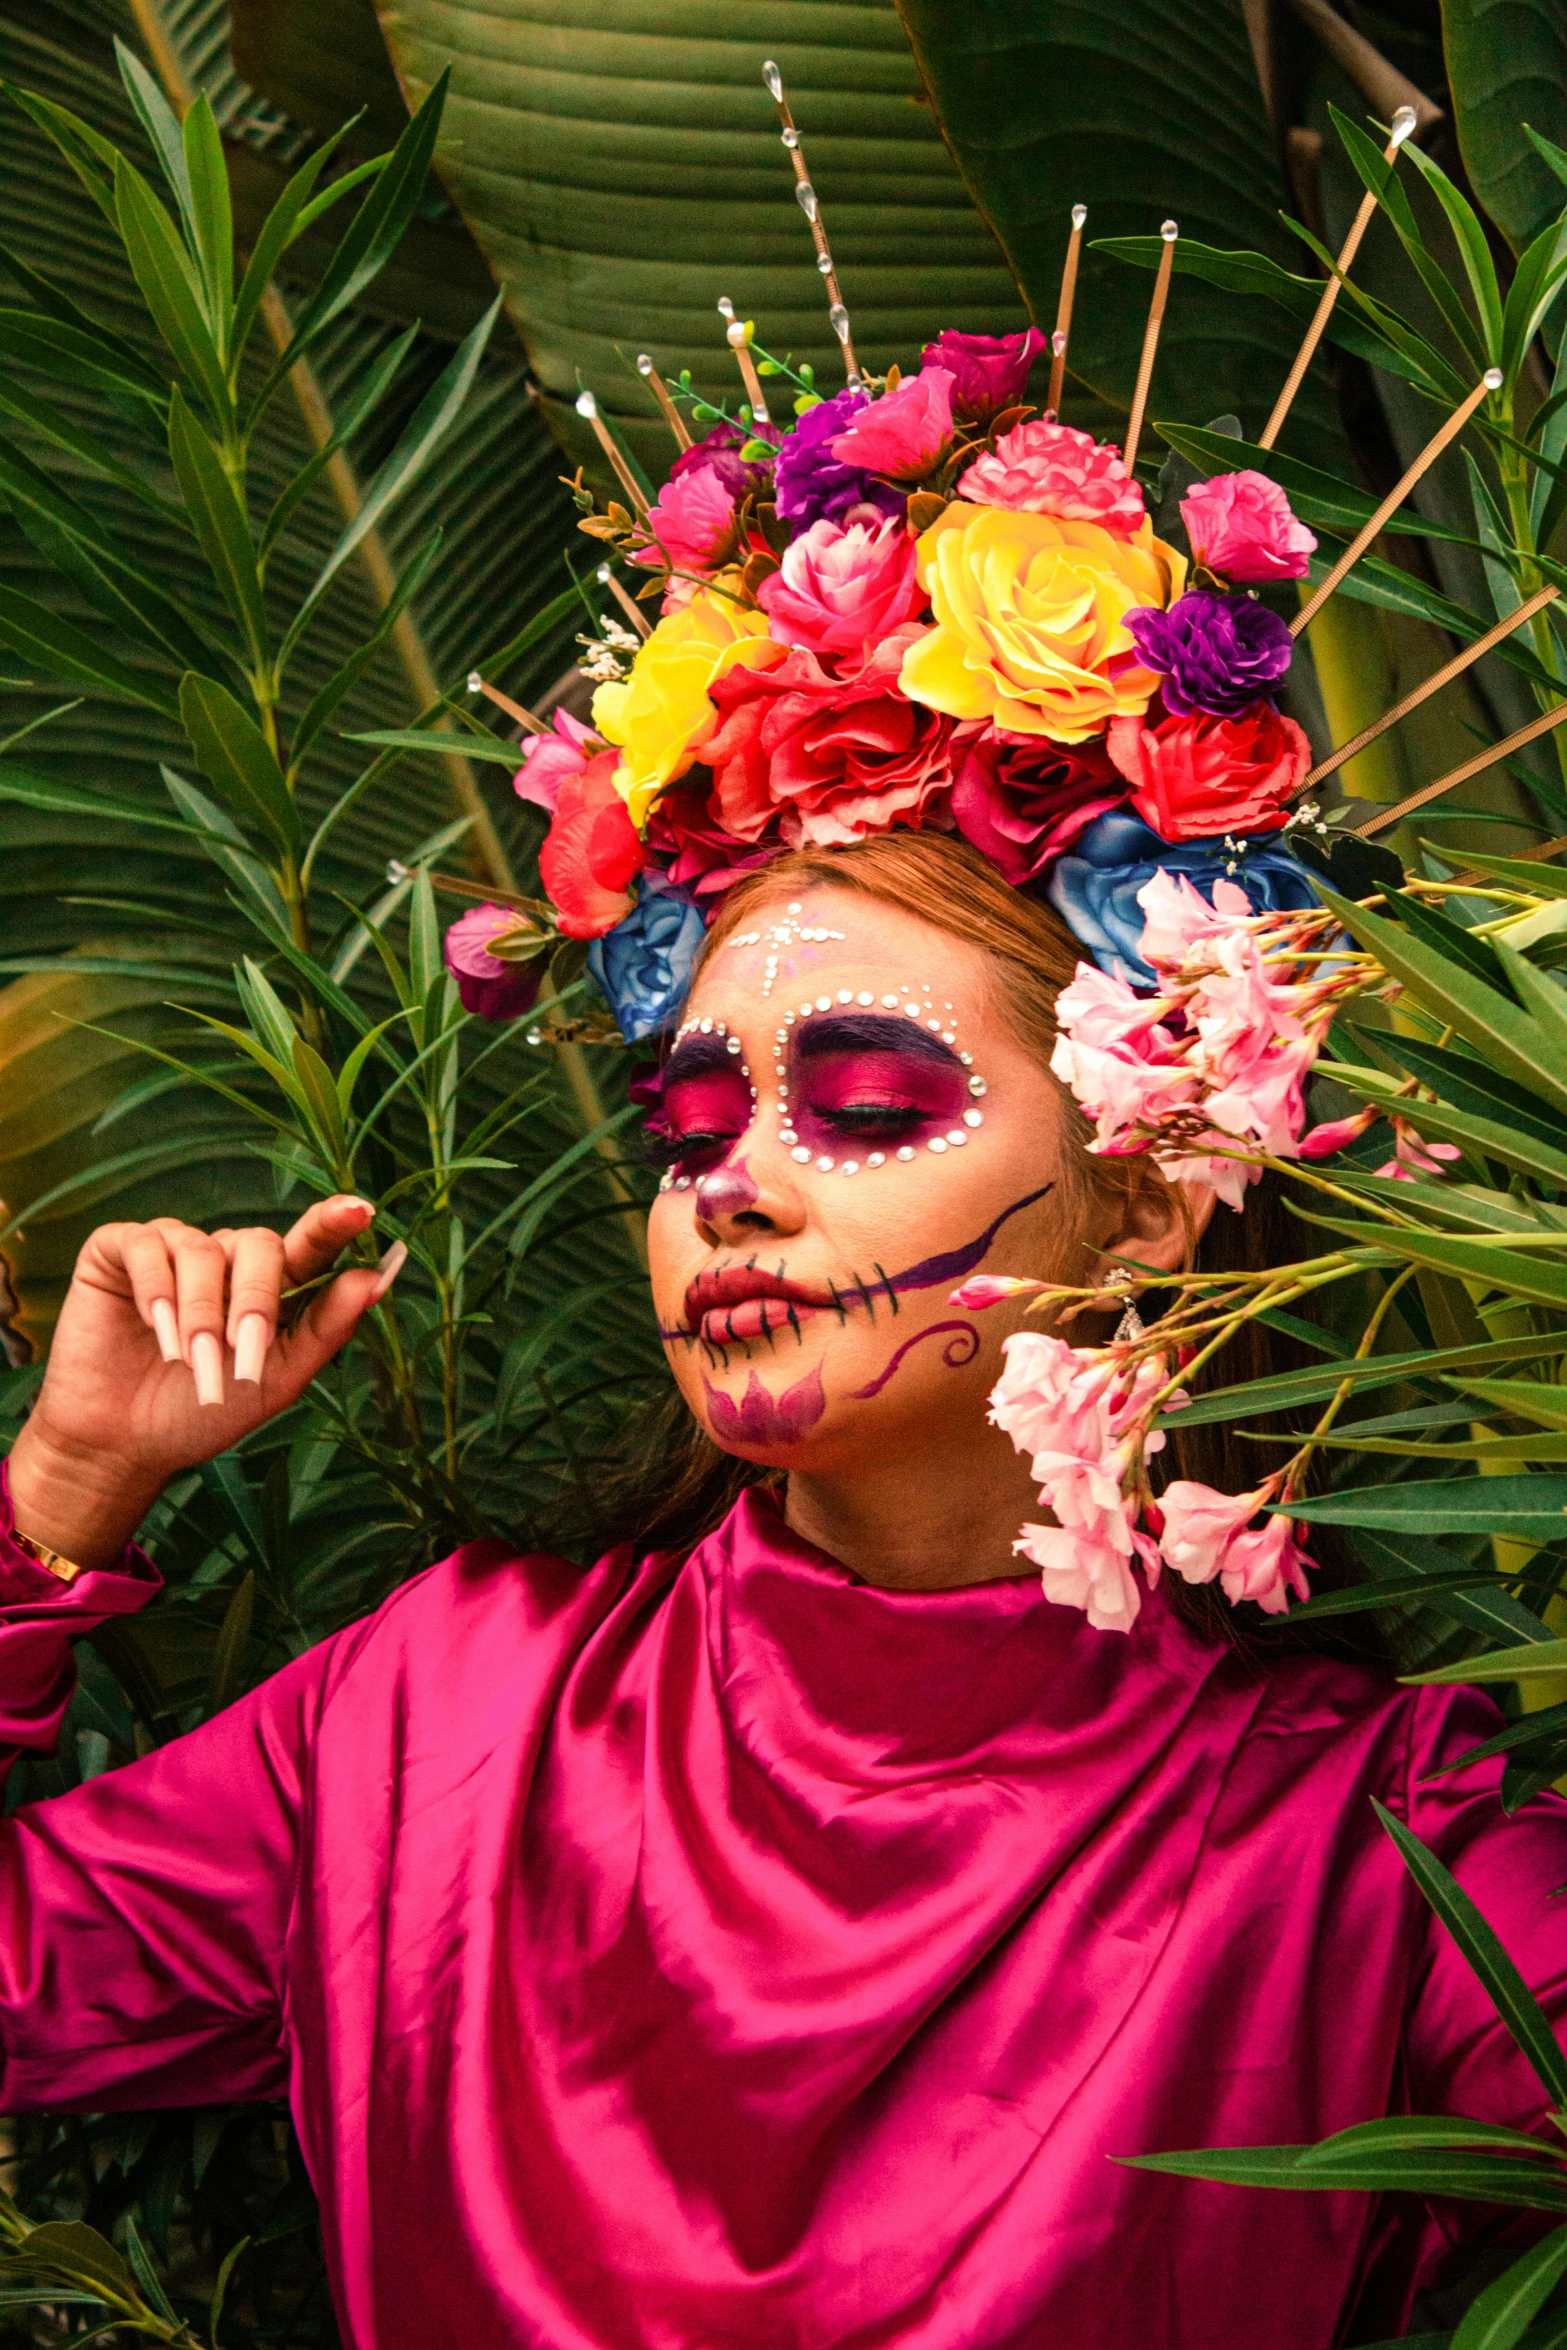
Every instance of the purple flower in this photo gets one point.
(493, 989)
(1213, 653)
(811, 484)
(719, 452)
(988, 371)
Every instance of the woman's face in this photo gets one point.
(854, 1131)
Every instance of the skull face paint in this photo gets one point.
(844, 1143)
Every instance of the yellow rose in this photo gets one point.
(660, 714)
(1031, 620)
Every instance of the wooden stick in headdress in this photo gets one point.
(738, 336)
(587, 406)
(1063, 325)
(1403, 123)
(492, 693)
(1431, 685)
(633, 612)
(837, 315)
(660, 391)
(1544, 724)
(1161, 295)
(1489, 382)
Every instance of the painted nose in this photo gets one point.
(725, 1191)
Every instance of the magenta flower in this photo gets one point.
(1214, 654)
(693, 523)
(547, 760)
(902, 434)
(1023, 802)
(1320, 1142)
(1413, 1155)
(990, 1289)
(843, 590)
(1240, 525)
(809, 482)
(718, 452)
(989, 372)
(489, 987)
(1041, 468)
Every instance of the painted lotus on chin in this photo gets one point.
(1031, 620)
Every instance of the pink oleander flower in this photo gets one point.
(1090, 1567)
(842, 590)
(1413, 1155)
(1206, 1535)
(1336, 1134)
(990, 1289)
(902, 434)
(1125, 1068)
(548, 759)
(1179, 917)
(1041, 468)
(693, 523)
(1240, 525)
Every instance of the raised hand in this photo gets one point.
(168, 1351)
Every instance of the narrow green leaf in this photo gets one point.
(1382, 179)
(319, 1088)
(1545, 881)
(1503, 1985)
(86, 150)
(1481, 2178)
(1514, 1146)
(1470, 1084)
(56, 349)
(211, 216)
(220, 523)
(235, 757)
(277, 233)
(1288, 1390)
(1529, 1399)
(146, 2274)
(228, 1658)
(136, 608)
(1396, 2133)
(170, 287)
(77, 2252)
(343, 680)
(225, 844)
(55, 647)
(432, 420)
(54, 425)
(71, 799)
(266, 1011)
(157, 119)
(1498, 2318)
(1474, 251)
(1506, 1664)
(362, 401)
(487, 748)
(1317, 497)
(1395, 1551)
(1511, 1038)
(1530, 1508)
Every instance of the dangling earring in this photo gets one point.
(1131, 1325)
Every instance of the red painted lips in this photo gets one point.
(737, 1302)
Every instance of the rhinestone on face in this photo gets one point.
(826, 1165)
(682, 1183)
(732, 1044)
(937, 1142)
(794, 906)
(967, 1059)
(912, 1011)
(802, 1155)
(845, 995)
(934, 1026)
(957, 1135)
(877, 1159)
(850, 1167)
(906, 1151)
(864, 997)
(973, 1117)
(891, 1002)
(977, 1086)
(706, 1027)
(824, 1003)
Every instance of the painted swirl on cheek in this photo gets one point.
(763, 1418)
(957, 1351)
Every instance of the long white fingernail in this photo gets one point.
(206, 1362)
(389, 1268)
(166, 1329)
(250, 1348)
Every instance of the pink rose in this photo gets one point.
(989, 372)
(693, 522)
(827, 759)
(1022, 801)
(1240, 526)
(902, 434)
(1041, 468)
(488, 986)
(685, 837)
(841, 590)
(547, 760)
(1199, 775)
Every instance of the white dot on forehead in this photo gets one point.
(794, 906)
(865, 997)
(845, 995)
(912, 1010)
(824, 1003)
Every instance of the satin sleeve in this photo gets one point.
(143, 1915)
(1461, 2057)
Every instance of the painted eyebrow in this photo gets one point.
(699, 1056)
(869, 1032)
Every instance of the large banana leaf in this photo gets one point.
(622, 169)
(1507, 63)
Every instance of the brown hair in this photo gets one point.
(683, 1484)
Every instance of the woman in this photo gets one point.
(774, 1942)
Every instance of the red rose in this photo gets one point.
(1022, 800)
(686, 837)
(591, 854)
(829, 758)
(1193, 777)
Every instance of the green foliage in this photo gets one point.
(1507, 63)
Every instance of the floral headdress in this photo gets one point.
(920, 602)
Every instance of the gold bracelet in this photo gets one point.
(57, 1563)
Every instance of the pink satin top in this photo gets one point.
(676, 1957)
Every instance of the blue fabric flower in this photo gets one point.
(810, 483)
(1095, 889)
(644, 964)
